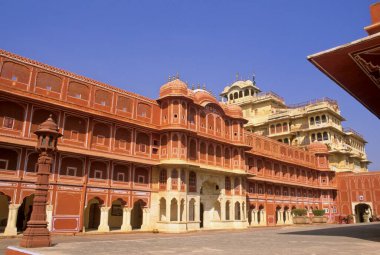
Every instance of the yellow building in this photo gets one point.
(300, 124)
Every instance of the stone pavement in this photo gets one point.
(292, 240)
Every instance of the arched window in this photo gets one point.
(210, 123)
(240, 94)
(211, 154)
(246, 92)
(103, 97)
(142, 142)
(203, 151)
(163, 176)
(15, 72)
(191, 116)
(164, 145)
(193, 150)
(124, 104)
(192, 181)
(324, 119)
(78, 90)
(165, 112)
(285, 127)
(325, 136)
(12, 116)
(9, 159)
(312, 137)
(272, 129)
(278, 128)
(312, 121)
(286, 140)
(218, 154)
(123, 139)
(319, 137)
(218, 125)
(236, 95)
(144, 110)
(203, 120)
(49, 82)
(141, 175)
(317, 120)
(227, 157)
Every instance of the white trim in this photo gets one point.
(71, 168)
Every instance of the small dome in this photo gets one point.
(48, 126)
(174, 87)
(235, 111)
(318, 147)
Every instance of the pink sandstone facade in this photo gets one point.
(180, 162)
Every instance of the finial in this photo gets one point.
(204, 86)
(192, 87)
(198, 86)
(177, 76)
(237, 76)
(254, 78)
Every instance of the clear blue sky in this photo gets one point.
(135, 45)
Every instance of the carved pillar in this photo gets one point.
(11, 228)
(168, 209)
(222, 210)
(103, 226)
(146, 216)
(126, 226)
(49, 216)
(37, 234)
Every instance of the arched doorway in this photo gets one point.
(92, 214)
(162, 212)
(228, 210)
(278, 215)
(363, 213)
(137, 214)
(173, 210)
(4, 211)
(201, 211)
(24, 212)
(115, 216)
(237, 211)
(210, 192)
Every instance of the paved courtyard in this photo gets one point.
(292, 240)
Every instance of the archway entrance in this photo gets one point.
(24, 212)
(115, 216)
(363, 212)
(4, 211)
(210, 207)
(92, 214)
(137, 214)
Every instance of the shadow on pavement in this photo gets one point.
(370, 232)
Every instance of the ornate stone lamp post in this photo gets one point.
(37, 234)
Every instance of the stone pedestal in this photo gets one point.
(11, 228)
(146, 223)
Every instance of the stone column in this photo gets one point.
(262, 217)
(222, 210)
(146, 215)
(11, 229)
(126, 226)
(103, 226)
(49, 216)
(168, 209)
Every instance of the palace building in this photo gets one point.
(180, 162)
(300, 124)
